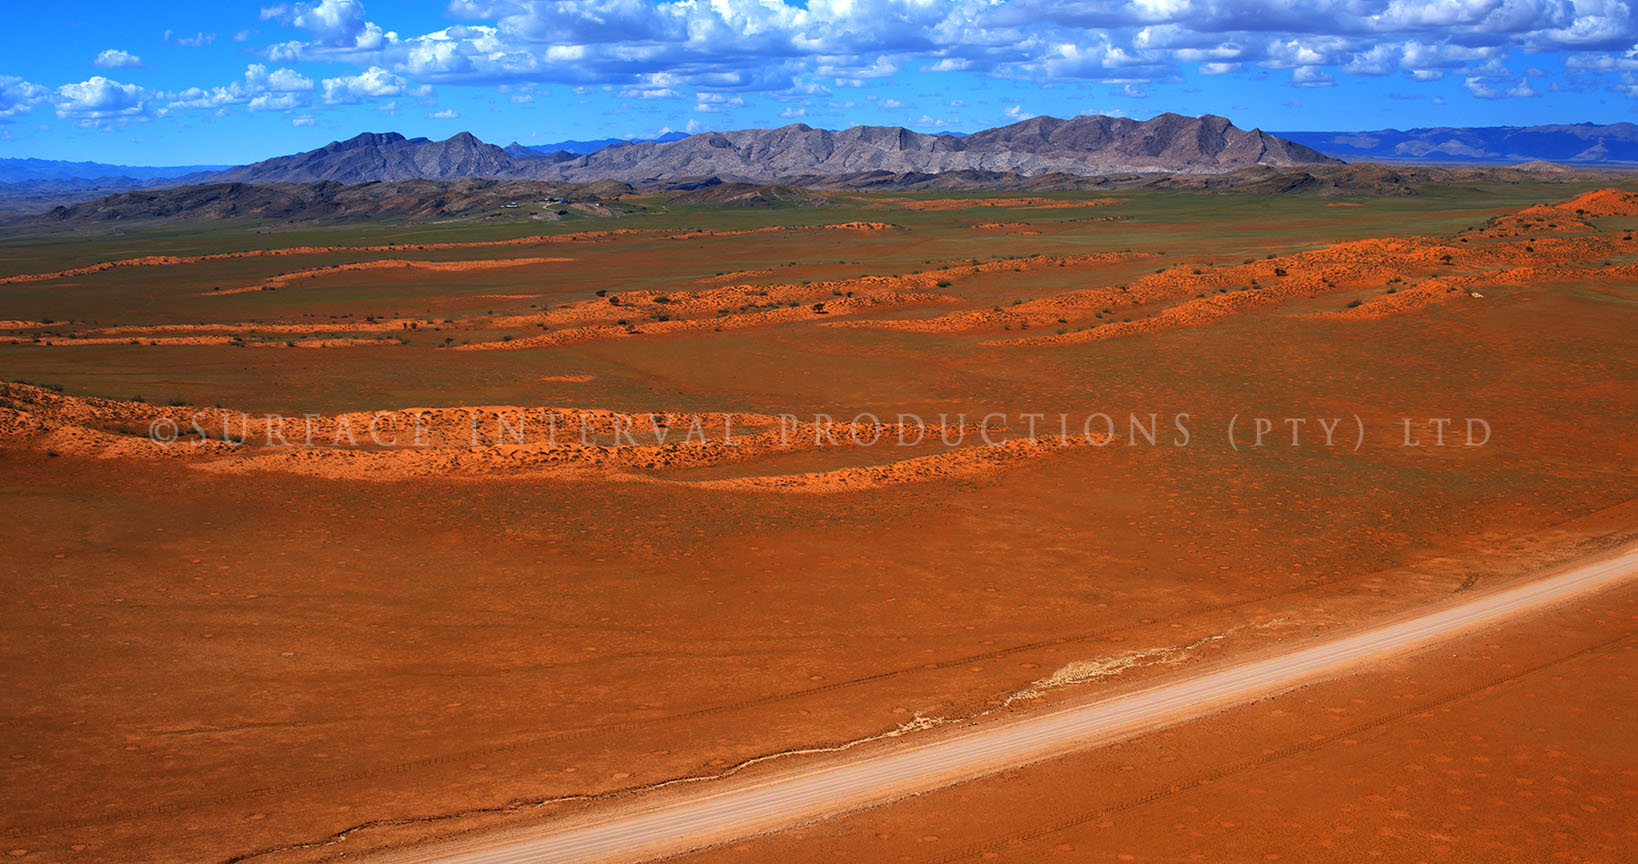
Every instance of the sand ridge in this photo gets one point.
(284, 279)
(502, 441)
(1427, 269)
(1023, 203)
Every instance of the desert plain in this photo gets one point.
(226, 646)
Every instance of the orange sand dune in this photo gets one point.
(311, 326)
(1603, 202)
(966, 462)
(389, 264)
(477, 441)
(768, 304)
(1221, 291)
(1008, 227)
(314, 342)
(734, 321)
(1406, 300)
(775, 229)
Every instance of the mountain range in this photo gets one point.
(1080, 146)
(1170, 151)
(1587, 143)
(54, 170)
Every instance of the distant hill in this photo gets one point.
(581, 148)
(332, 201)
(1584, 143)
(31, 170)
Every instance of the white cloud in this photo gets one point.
(373, 83)
(260, 89)
(1311, 76)
(446, 114)
(114, 58)
(257, 77)
(273, 102)
(1499, 88)
(302, 120)
(18, 96)
(711, 103)
(332, 22)
(675, 49)
(98, 99)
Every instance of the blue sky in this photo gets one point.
(190, 82)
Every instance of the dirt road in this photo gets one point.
(748, 809)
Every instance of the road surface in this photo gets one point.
(748, 809)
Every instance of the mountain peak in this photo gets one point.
(369, 139)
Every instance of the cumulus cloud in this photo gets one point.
(98, 99)
(780, 45)
(113, 58)
(18, 96)
(710, 54)
(1311, 76)
(710, 103)
(1499, 88)
(261, 89)
(373, 83)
